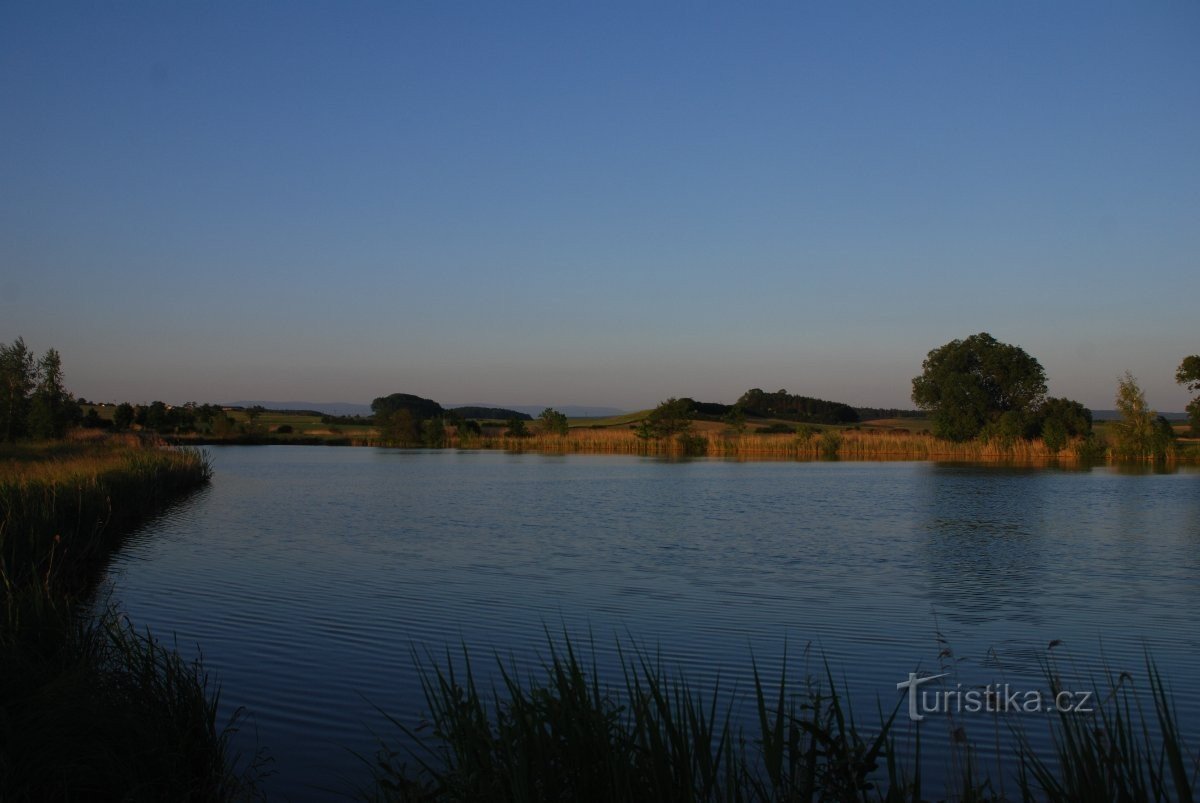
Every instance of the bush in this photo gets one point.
(831, 442)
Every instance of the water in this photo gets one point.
(309, 576)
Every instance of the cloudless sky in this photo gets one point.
(601, 203)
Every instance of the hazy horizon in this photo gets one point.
(605, 206)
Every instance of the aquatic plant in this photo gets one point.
(563, 735)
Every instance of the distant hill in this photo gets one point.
(328, 408)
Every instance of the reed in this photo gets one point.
(63, 505)
(563, 735)
(91, 709)
(567, 737)
(844, 444)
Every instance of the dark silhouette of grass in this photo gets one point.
(565, 736)
(91, 709)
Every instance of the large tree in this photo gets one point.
(18, 377)
(1140, 432)
(51, 407)
(1189, 375)
(968, 384)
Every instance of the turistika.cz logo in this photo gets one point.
(994, 698)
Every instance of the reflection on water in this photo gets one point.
(309, 575)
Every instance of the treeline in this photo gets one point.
(34, 403)
(490, 413)
(875, 413)
(755, 403)
(165, 419)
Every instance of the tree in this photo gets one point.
(18, 376)
(50, 406)
(790, 407)
(1059, 420)
(671, 417)
(735, 419)
(516, 428)
(433, 432)
(1189, 375)
(553, 422)
(420, 408)
(1141, 432)
(969, 384)
(397, 427)
(156, 416)
(123, 416)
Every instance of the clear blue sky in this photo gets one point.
(596, 203)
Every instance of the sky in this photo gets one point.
(600, 203)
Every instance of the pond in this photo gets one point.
(310, 576)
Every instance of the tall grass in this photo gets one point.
(64, 505)
(90, 709)
(845, 444)
(1119, 753)
(563, 735)
(567, 737)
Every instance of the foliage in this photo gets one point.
(18, 377)
(89, 708)
(398, 427)
(123, 416)
(490, 413)
(1189, 374)
(565, 736)
(433, 433)
(735, 419)
(831, 443)
(1141, 432)
(1115, 753)
(1074, 419)
(516, 428)
(50, 409)
(670, 417)
(553, 422)
(968, 384)
(782, 404)
(875, 413)
(419, 408)
(806, 432)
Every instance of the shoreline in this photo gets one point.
(851, 445)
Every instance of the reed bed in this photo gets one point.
(64, 504)
(564, 735)
(844, 444)
(90, 709)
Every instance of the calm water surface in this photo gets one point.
(309, 575)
